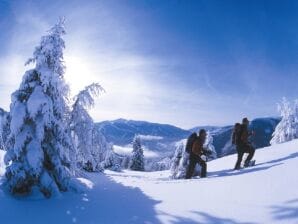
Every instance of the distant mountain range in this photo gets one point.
(156, 137)
(163, 137)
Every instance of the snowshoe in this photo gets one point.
(250, 163)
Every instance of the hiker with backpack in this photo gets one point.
(195, 148)
(240, 138)
(191, 139)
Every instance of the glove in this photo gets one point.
(203, 157)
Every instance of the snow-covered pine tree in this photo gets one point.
(162, 164)
(183, 165)
(176, 159)
(137, 157)
(2, 144)
(99, 147)
(82, 126)
(41, 142)
(4, 128)
(210, 147)
(286, 130)
(111, 160)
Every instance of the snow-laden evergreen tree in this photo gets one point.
(99, 147)
(209, 147)
(40, 137)
(82, 126)
(111, 161)
(176, 159)
(137, 157)
(2, 144)
(183, 165)
(161, 164)
(4, 128)
(287, 128)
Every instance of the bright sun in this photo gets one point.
(78, 73)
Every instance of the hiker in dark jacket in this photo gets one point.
(191, 139)
(195, 155)
(236, 132)
(241, 140)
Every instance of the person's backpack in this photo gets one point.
(191, 139)
(237, 132)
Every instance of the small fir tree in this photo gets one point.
(111, 161)
(137, 157)
(176, 159)
(209, 147)
(287, 128)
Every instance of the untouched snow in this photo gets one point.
(265, 193)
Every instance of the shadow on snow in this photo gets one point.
(232, 172)
(204, 218)
(287, 211)
(108, 202)
(256, 168)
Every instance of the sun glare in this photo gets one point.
(78, 73)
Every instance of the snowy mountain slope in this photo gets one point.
(265, 193)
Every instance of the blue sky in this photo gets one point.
(185, 63)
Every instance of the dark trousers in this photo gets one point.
(241, 149)
(193, 160)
